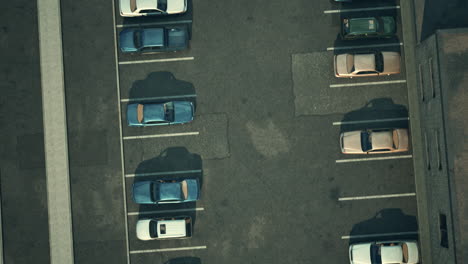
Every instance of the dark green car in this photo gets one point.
(368, 27)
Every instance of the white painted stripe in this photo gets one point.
(380, 235)
(165, 250)
(377, 158)
(167, 211)
(157, 60)
(360, 9)
(122, 160)
(383, 196)
(155, 24)
(162, 173)
(157, 98)
(366, 46)
(366, 83)
(370, 121)
(163, 135)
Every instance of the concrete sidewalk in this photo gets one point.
(55, 132)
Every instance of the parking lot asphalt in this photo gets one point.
(25, 229)
(264, 142)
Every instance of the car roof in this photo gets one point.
(146, 4)
(172, 228)
(391, 254)
(382, 139)
(363, 25)
(152, 37)
(169, 191)
(153, 113)
(364, 62)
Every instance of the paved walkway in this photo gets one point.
(55, 132)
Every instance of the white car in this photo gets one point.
(164, 228)
(367, 64)
(135, 8)
(390, 252)
(374, 141)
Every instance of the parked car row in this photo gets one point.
(373, 141)
(153, 39)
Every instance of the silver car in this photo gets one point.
(135, 8)
(388, 252)
(374, 141)
(367, 64)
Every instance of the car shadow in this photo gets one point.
(160, 87)
(386, 221)
(175, 163)
(380, 108)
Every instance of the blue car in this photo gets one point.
(153, 39)
(151, 114)
(165, 191)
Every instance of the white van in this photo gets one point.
(164, 228)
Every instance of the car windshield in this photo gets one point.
(153, 228)
(379, 62)
(162, 5)
(380, 23)
(366, 143)
(154, 190)
(376, 258)
(169, 111)
(137, 39)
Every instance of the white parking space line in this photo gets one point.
(155, 24)
(125, 100)
(383, 196)
(376, 158)
(360, 9)
(127, 246)
(380, 235)
(167, 211)
(365, 46)
(165, 250)
(163, 135)
(366, 83)
(370, 121)
(162, 173)
(156, 60)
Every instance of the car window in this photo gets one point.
(367, 72)
(155, 122)
(169, 111)
(366, 143)
(380, 150)
(350, 63)
(162, 5)
(137, 39)
(133, 5)
(376, 257)
(147, 11)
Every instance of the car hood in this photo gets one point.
(340, 64)
(126, 40)
(176, 6)
(361, 254)
(132, 116)
(413, 253)
(388, 25)
(183, 112)
(142, 192)
(143, 229)
(382, 140)
(391, 62)
(125, 9)
(351, 142)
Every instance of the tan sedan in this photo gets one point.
(369, 64)
(376, 141)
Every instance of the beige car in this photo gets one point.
(376, 141)
(369, 64)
